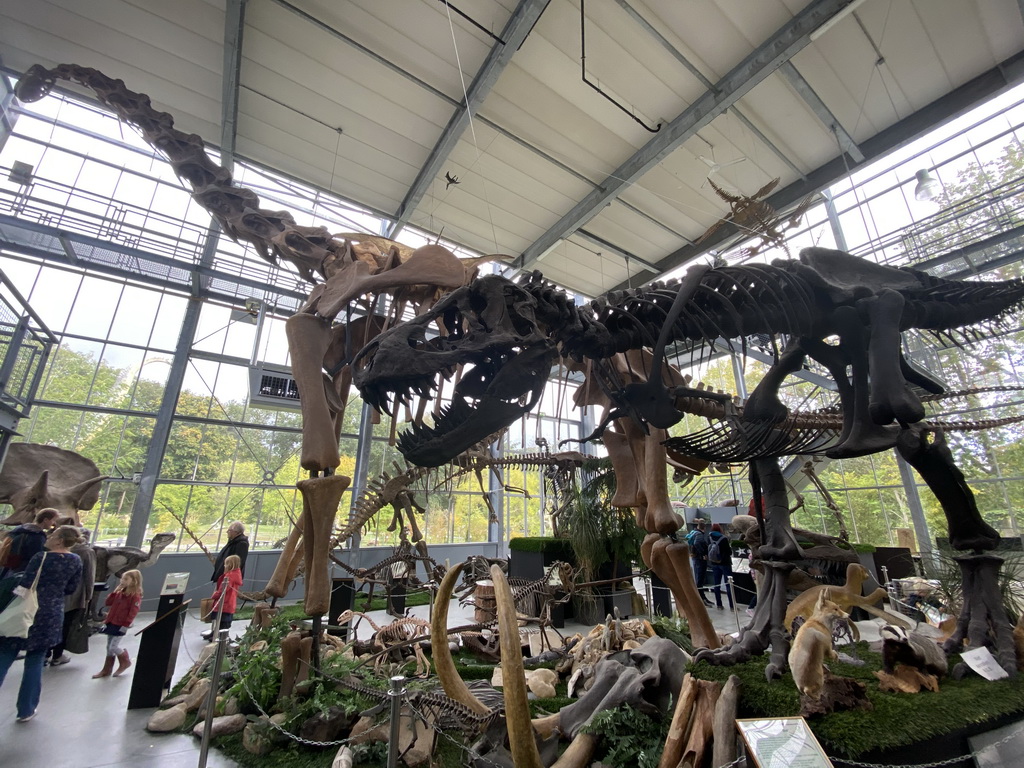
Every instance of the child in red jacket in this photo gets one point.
(227, 589)
(123, 606)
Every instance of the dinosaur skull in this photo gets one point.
(490, 329)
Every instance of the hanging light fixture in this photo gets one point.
(928, 187)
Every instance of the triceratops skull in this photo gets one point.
(490, 328)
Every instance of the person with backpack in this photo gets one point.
(720, 559)
(26, 540)
(697, 539)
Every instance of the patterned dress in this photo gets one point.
(60, 576)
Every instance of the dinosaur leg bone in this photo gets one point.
(320, 497)
(309, 338)
(891, 398)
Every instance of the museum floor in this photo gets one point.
(83, 723)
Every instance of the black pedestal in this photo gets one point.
(661, 596)
(343, 598)
(158, 652)
(396, 599)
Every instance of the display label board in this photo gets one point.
(782, 742)
(175, 584)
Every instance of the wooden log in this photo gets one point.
(679, 730)
(701, 724)
(724, 731)
(485, 607)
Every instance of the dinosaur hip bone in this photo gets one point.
(522, 741)
(320, 497)
(288, 563)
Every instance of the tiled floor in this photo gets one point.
(83, 723)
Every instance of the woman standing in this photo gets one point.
(59, 572)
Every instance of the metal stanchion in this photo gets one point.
(732, 599)
(211, 696)
(396, 693)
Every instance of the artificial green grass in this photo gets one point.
(294, 612)
(897, 719)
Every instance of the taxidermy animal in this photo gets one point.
(848, 596)
(900, 646)
(812, 646)
(36, 476)
(114, 561)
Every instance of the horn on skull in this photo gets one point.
(40, 489)
(76, 493)
(453, 685)
(522, 743)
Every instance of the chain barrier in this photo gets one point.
(294, 737)
(439, 732)
(948, 761)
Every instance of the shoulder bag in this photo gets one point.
(17, 618)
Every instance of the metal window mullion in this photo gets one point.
(162, 428)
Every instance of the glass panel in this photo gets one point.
(135, 315)
(94, 308)
(53, 297)
(169, 318)
(71, 371)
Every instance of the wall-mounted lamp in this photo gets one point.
(928, 187)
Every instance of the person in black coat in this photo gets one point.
(237, 544)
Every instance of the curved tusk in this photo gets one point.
(579, 752)
(454, 686)
(521, 741)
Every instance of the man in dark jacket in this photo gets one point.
(27, 539)
(698, 541)
(237, 544)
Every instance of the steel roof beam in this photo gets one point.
(824, 114)
(753, 70)
(514, 34)
(688, 65)
(234, 26)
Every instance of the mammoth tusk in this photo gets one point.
(453, 685)
(579, 752)
(521, 740)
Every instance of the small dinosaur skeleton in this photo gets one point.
(399, 631)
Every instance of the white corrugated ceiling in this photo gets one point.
(551, 171)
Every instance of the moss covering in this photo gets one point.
(896, 720)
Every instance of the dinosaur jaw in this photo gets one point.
(490, 335)
(457, 428)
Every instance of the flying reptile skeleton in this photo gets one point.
(509, 335)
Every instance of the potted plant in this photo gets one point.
(605, 541)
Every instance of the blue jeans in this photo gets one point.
(700, 575)
(719, 576)
(31, 680)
